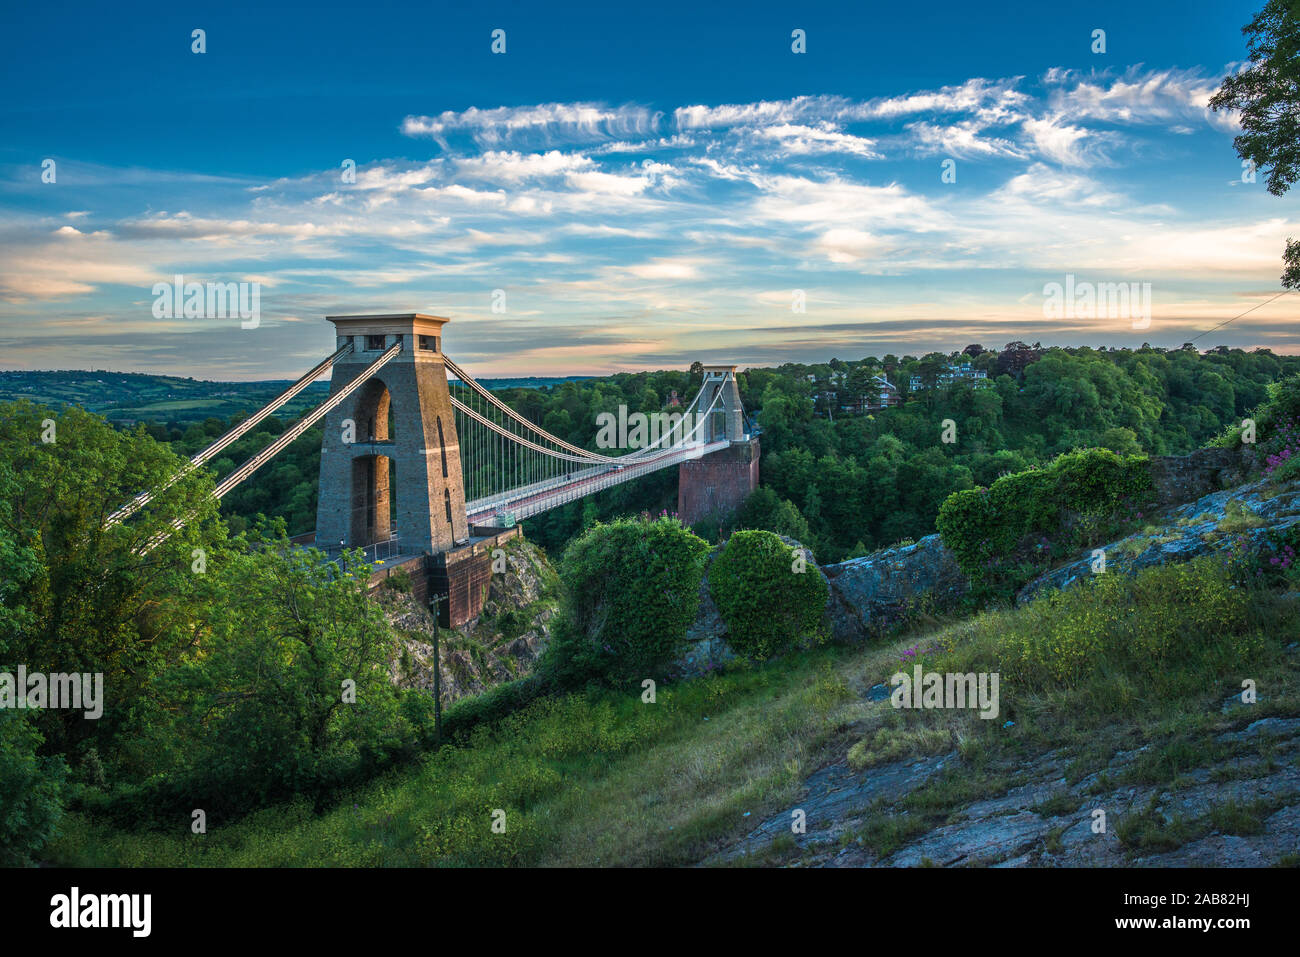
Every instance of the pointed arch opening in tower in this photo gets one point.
(375, 419)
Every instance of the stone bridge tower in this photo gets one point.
(390, 459)
(715, 485)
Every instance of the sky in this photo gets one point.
(626, 186)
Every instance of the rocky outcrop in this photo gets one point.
(1039, 816)
(503, 643)
(707, 646)
(866, 597)
(872, 593)
(1185, 478)
(1210, 524)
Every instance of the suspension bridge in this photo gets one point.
(423, 467)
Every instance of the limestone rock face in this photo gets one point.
(867, 595)
(1211, 523)
(501, 644)
(1185, 478)
(707, 646)
(871, 593)
(1047, 821)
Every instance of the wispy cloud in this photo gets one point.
(681, 228)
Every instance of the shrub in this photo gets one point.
(1269, 562)
(491, 706)
(399, 580)
(1188, 612)
(30, 791)
(1283, 403)
(1277, 425)
(769, 599)
(630, 589)
(1000, 534)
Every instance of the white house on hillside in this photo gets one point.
(956, 372)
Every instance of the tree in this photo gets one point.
(1016, 357)
(30, 790)
(1267, 95)
(85, 596)
(1121, 441)
(764, 509)
(770, 595)
(932, 366)
(629, 591)
(862, 379)
(280, 707)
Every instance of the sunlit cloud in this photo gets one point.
(628, 235)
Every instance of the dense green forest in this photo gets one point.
(846, 483)
(863, 483)
(241, 673)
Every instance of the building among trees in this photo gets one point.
(955, 372)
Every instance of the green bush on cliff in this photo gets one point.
(630, 589)
(1282, 405)
(999, 533)
(771, 597)
(1275, 420)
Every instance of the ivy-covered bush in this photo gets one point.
(629, 591)
(1003, 534)
(771, 596)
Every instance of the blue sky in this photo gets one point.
(648, 185)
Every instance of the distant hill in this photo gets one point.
(531, 382)
(127, 397)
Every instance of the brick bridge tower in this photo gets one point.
(390, 459)
(716, 485)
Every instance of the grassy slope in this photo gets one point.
(597, 778)
(604, 779)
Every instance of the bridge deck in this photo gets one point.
(534, 499)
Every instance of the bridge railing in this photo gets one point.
(378, 552)
(559, 491)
